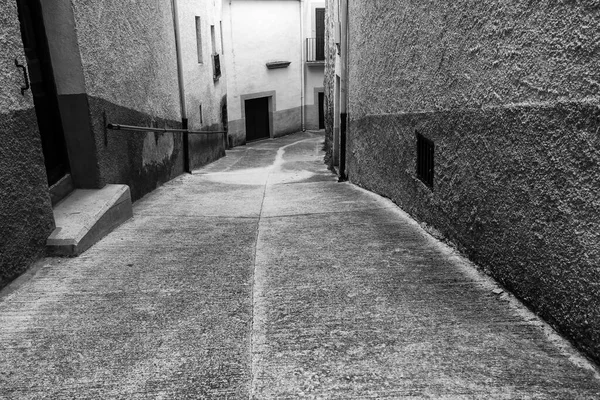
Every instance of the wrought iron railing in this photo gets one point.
(216, 66)
(315, 49)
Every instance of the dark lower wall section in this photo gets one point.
(206, 148)
(236, 135)
(516, 188)
(143, 161)
(26, 218)
(287, 121)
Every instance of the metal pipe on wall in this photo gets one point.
(184, 119)
(133, 128)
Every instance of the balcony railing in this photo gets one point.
(315, 49)
(216, 66)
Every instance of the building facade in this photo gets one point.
(336, 84)
(274, 72)
(72, 68)
(481, 120)
(314, 64)
(205, 85)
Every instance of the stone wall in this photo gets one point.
(329, 78)
(25, 211)
(509, 93)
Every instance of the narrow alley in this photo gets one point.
(260, 276)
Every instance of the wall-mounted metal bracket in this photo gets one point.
(25, 77)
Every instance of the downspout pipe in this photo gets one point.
(184, 119)
(302, 66)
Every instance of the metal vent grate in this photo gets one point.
(425, 157)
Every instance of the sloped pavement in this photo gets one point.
(261, 277)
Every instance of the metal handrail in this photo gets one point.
(119, 127)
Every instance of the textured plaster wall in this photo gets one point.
(509, 93)
(473, 54)
(129, 64)
(258, 32)
(25, 211)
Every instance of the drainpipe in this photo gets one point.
(302, 66)
(184, 119)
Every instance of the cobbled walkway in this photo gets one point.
(261, 277)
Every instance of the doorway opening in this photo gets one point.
(257, 119)
(321, 110)
(43, 89)
(320, 33)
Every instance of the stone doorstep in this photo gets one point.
(87, 215)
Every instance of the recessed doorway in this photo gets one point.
(257, 119)
(321, 110)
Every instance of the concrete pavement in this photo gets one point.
(259, 276)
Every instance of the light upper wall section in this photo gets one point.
(470, 54)
(128, 54)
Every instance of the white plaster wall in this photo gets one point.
(200, 87)
(258, 32)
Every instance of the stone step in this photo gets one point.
(87, 215)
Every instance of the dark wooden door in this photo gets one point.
(257, 119)
(320, 33)
(321, 110)
(43, 89)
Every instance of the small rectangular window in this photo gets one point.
(320, 34)
(199, 39)
(201, 122)
(212, 39)
(221, 34)
(425, 159)
(215, 55)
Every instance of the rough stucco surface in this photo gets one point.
(25, 211)
(128, 54)
(508, 91)
(11, 78)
